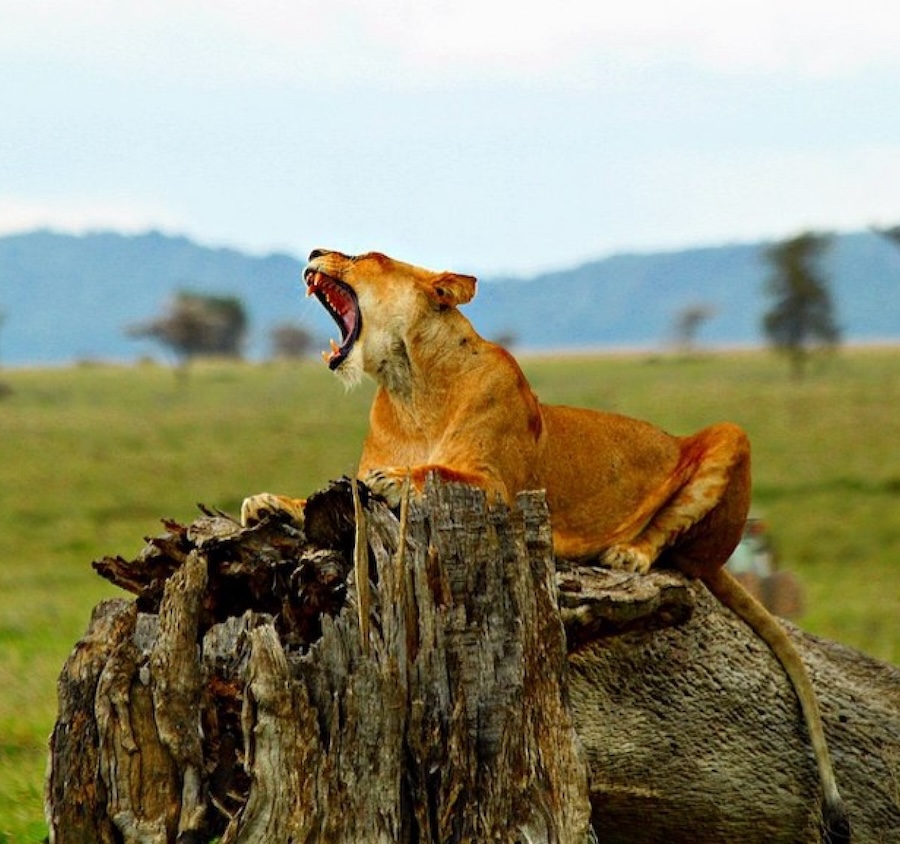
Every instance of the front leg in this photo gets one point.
(388, 482)
(624, 557)
(261, 506)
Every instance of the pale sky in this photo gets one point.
(482, 135)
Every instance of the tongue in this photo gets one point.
(343, 307)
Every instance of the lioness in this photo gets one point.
(619, 491)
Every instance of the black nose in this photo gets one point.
(317, 253)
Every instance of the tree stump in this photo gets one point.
(236, 697)
(492, 697)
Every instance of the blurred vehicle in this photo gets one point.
(755, 564)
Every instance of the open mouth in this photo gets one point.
(340, 301)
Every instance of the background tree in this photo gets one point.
(198, 325)
(892, 233)
(802, 312)
(5, 389)
(507, 339)
(687, 323)
(290, 341)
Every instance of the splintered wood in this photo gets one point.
(238, 689)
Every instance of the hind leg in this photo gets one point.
(702, 520)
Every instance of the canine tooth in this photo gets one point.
(325, 357)
(335, 348)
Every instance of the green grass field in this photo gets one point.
(92, 457)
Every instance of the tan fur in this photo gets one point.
(619, 490)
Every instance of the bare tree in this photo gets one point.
(5, 389)
(198, 325)
(892, 233)
(507, 339)
(687, 323)
(802, 312)
(290, 341)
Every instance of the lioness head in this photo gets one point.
(375, 301)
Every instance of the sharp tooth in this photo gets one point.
(325, 357)
(335, 348)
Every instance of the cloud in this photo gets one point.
(571, 127)
(411, 43)
(78, 215)
(404, 40)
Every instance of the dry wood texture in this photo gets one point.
(493, 699)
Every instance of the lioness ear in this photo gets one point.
(453, 289)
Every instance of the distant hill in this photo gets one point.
(66, 298)
(632, 300)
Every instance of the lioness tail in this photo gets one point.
(835, 822)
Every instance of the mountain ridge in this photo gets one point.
(66, 298)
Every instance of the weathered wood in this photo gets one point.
(234, 697)
(220, 718)
(76, 797)
(597, 603)
(694, 735)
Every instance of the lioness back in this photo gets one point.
(597, 468)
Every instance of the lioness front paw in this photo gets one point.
(261, 506)
(628, 558)
(388, 483)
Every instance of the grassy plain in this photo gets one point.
(92, 457)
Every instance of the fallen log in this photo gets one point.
(493, 697)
